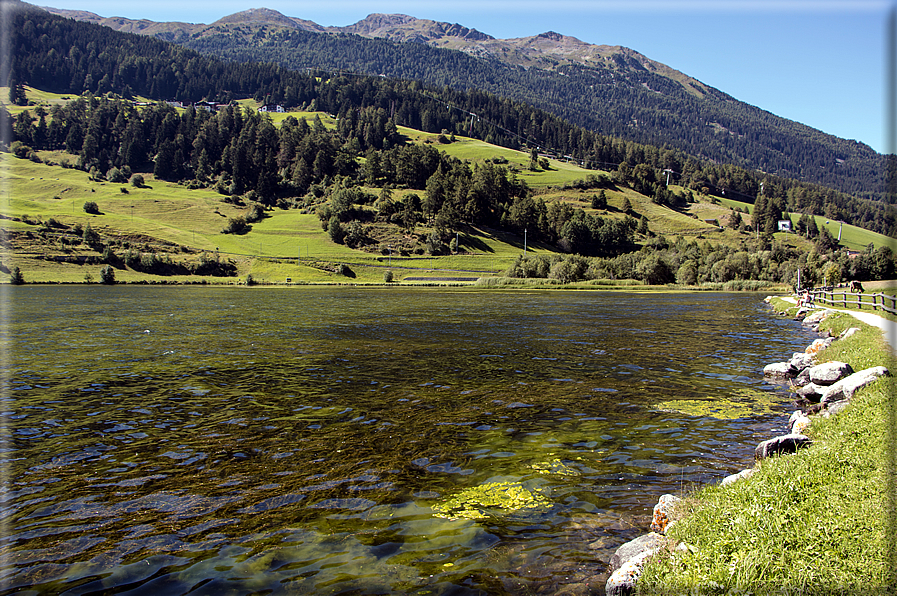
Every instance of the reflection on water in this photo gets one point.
(238, 440)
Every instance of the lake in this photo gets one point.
(344, 440)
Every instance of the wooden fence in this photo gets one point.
(845, 298)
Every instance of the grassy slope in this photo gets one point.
(816, 522)
(852, 237)
(193, 219)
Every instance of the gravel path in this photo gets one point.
(888, 327)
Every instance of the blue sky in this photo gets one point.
(822, 63)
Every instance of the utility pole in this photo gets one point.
(524, 242)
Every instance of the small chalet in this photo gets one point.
(209, 106)
(272, 107)
(784, 225)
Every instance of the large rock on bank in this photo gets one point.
(663, 513)
(818, 345)
(646, 542)
(622, 581)
(846, 387)
(828, 373)
(801, 360)
(627, 563)
(781, 445)
(811, 392)
(815, 317)
(779, 370)
(736, 477)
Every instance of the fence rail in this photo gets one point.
(848, 299)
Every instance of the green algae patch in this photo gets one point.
(556, 467)
(741, 404)
(476, 502)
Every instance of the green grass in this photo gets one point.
(193, 219)
(464, 148)
(816, 522)
(852, 237)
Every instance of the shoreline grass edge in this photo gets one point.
(821, 521)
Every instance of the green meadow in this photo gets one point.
(286, 243)
(45, 201)
(852, 237)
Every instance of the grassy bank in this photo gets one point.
(817, 522)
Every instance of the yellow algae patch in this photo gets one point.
(473, 503)
(554, 466)
(741, 404)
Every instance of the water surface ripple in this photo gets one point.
(238, 440)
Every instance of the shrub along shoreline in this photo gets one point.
(819, 521)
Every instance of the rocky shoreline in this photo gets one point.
(822, 389)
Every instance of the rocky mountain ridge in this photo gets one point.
(548, 51)
(611, 90)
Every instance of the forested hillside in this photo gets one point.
(624, 95)
(71, 57)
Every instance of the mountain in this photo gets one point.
(64, 56)
(546, 51)
(611, 90)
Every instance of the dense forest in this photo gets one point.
(624, 100)
(242, 152)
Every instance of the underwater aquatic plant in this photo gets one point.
(472, 503)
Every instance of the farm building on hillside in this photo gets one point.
(272, 107)
(209, 106)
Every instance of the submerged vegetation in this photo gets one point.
(479, 502)
(740, 404)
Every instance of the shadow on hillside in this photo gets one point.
(475, 243)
